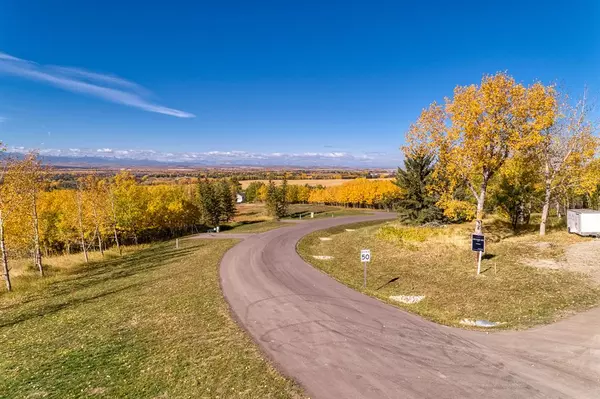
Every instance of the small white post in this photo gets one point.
(300, 216)
(479, 262)
(177, 243)
(312, 215)
(364, 275)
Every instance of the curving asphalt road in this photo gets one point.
(339, 343)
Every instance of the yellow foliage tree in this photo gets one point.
(565, 149)
(480, 127)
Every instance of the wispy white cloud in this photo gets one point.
(2, 119)
(107, 87)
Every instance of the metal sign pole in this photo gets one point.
(365, 274)
(479, 262)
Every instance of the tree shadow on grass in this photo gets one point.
(84, 283)
(227, 227)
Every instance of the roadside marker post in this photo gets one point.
(478, 245)
(177, 243)
(365, 257)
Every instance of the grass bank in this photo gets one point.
(152, 324)
(437, 263)
(321, 211)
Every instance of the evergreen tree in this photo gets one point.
(417, 205)
(210, 205)
(226, 193)
(277, 199)
(282, 198)
(271, 200)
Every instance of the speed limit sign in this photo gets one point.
(365, 255)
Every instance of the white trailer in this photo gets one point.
(585, 222)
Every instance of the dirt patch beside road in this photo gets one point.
(582, 257)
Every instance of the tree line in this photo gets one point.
(501, 146)
(359, 193)
(37, 220)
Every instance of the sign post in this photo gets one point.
(365, 257)
(478, 245)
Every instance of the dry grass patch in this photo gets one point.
(438, 263)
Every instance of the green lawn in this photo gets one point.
(152, 324)
(321, 211)
(438, 263)
(252, 226)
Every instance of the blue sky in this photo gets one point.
(333, 80)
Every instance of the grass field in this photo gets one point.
(310, 182)
(438, 263)
(152, 324)
(253, 218)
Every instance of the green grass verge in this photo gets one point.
(253, 227)
(439, 264)
(152, 324)
(321, 211)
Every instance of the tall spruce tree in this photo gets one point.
(418, 204)
(277, 199)
(226, 193)
(210, 205)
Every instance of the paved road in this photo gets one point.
(338, 343)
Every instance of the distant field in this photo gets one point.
(311, 182)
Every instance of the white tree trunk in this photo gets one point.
(5, 269)
(480, 205)
(114, 215)
(545, 209)
(81, 232)
(36, 238)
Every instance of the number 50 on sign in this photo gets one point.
(365, 255)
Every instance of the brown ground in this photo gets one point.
(583, 257)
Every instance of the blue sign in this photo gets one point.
(478, 242)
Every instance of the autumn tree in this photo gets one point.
(589, 186)
(565, 149)
(80, 220)
(96, 195)
(515, 190)
(109, 186)
(28, 175)
(6, 201)
(479, 128)
(131, 204)
(252, 191)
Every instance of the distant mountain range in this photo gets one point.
(108, 161)
(109, 157)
